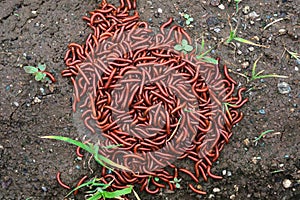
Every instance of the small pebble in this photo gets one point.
(282, 31)
(42, 91)
(246, 10)
(159, 10)
(214, 2)
(296, 69)
(216, 190)
(149, 3)
(251, 48)
(44, 189)
(287, 183)
(229, 173)
(221, 6)
(262, 111)
(211, 196)
(16, 104)
(37, 100)
(7, 88)
(284, 88)
(224, 172)
(239, 52)
(245, 64)
(77, 167)
(246, 142)
(217, 30)
(253, 15)
(232, 197)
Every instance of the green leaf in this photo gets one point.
(117, 193)
(187, 22)
(187, 16)
(41, 67)
(184, 42)
(191, 19)
(176, 180)
(188, 48)
(156, 179)
(184, 52)
(177, 185)
(178, 47)
(40, 76)
(30, 69)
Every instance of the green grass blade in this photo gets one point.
(210, 60)
(117, 193)
(70, 141)
(113, 164)
(249, 42)
(262, 134)
(270, 76)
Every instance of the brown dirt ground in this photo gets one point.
(28, 164)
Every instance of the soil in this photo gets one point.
(34, 31)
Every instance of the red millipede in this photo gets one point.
(144, 95)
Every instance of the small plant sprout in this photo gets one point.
(176, 181)
(233, 36)
(226, 108)
(258, 75)
(100, 191)
(262, 135)
(183, 47)
(294, 55)
(94, 150)
(188, 19)
(237, 5)
(202, 54)
(39, 73)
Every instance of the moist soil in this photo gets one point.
(34, 31)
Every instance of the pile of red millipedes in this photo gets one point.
(156, 105)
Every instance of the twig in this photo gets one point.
(273, 22)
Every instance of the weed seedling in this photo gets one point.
(39, 73)
(233, 36)
(237, 5)
(202, 54)
(94, 150)
(188, 19)
(183, 47)
(100, 191)
(176, 181)
(294, 55)
(262, 135)
(257, 75)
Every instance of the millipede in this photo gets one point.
(157, 105)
